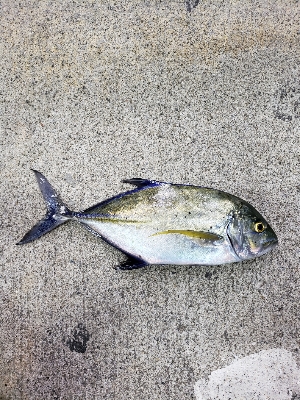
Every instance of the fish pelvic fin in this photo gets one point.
(131, 263)
(57, 212)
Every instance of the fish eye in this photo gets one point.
(259, 227)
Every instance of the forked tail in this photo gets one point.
(57, 211)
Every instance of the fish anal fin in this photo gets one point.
(139, 182)
(131, 263)
(205, 237)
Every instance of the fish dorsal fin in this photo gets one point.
(205, 237)
(140, 182)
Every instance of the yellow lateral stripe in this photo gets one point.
(191, 234)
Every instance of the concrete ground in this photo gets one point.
(92, 92)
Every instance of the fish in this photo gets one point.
(165, 223)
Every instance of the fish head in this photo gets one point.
(249, 233)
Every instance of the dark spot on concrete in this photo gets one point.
(191, 4)
(283, 117)
(211, 274)
(78, 339)
(225, 336)
(208, 275)
(181, 328)
(295, 396)
(54, 395)
(288, 101)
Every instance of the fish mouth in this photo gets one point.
(269, 244)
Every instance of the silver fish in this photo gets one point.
(165, 223)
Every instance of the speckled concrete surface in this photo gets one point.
(206, 93)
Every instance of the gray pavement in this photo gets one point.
(205, 93)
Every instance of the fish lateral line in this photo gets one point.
(106, 218)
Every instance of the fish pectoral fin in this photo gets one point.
(204, 237)
(131, 263)
(140, 182)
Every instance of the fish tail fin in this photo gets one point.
(57, 211)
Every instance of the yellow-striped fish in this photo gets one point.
(165, 223)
